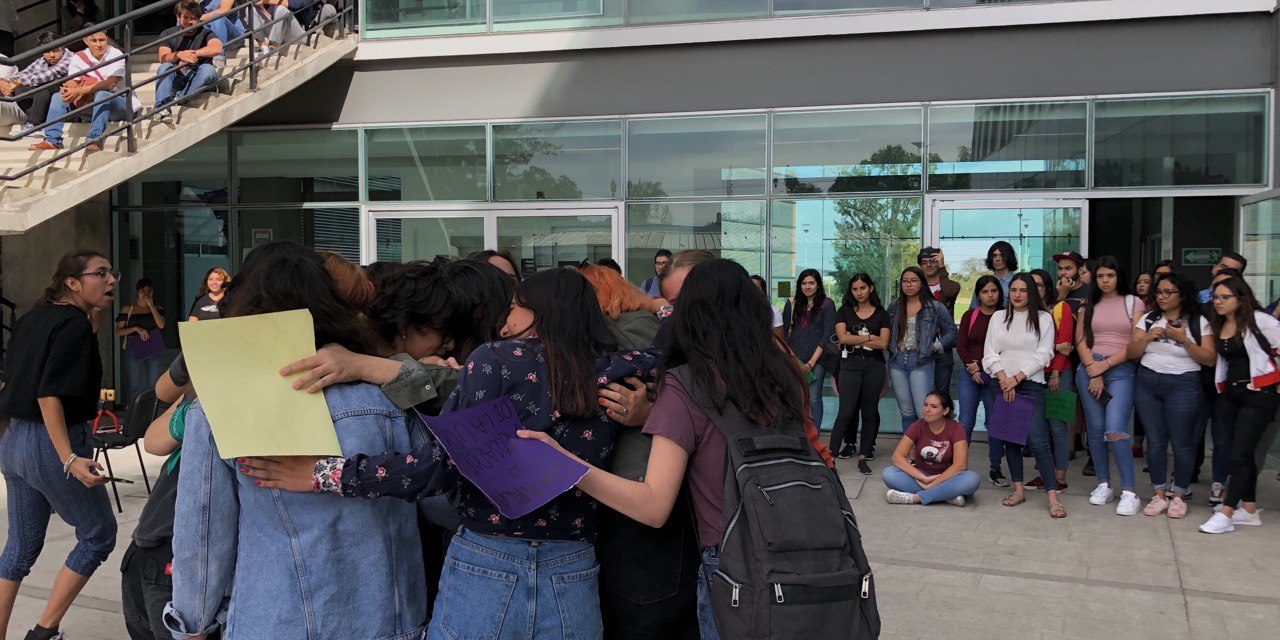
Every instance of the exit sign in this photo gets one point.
(1201, 257)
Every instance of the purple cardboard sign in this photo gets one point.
(1010, 421)
(145, 349)
(517, 475)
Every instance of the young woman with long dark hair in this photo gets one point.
(1018, 350)
(1108, 376)
(863, 328)
(212, 288)
(920, 329)
(274, 592)
(974, 385)
(808, 321)
(938, 468)
(720, 332)
(1002, 262)
(1248, 380)
(1060, 373)
(137, 323)
(1172, 343)
(52, 376)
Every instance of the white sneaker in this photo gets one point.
(1217, 524)
(899, 497)
(38, 133)
(1129, 504)
(957, 501)
(1240, 516)
(1101, 495)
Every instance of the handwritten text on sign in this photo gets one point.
(517, 475)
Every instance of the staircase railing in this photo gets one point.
(343, 20)
(8, 316)
(55, 22)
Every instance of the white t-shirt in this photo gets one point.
(115, 68)
(1016, 348)
(1168, 357)
(935, 288)
(777, 317)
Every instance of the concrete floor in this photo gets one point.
(984, 572)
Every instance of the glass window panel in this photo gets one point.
(785, 7)
(407, 239)
(1180, 141)
(330, 228)
(427, 163)
(847, 151)
(1007, 146)
(297, 165)
(557, 160)
(197, 176)
(700, 156)
(732, 230)
(398, 18)
(539, 243)
(1261, 247)
(642, 11)
(515, 15)
(841, 237)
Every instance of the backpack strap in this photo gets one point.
(973, 317)
(1150, 319)
(744, 438)
(1130, 305)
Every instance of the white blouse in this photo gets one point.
(1015, 348)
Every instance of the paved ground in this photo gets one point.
(985, 572)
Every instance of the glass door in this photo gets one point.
(1260, 244)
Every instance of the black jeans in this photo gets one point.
(145, 589)
(860, 382)
(1246, 415)
(649, 577)
(37, 106)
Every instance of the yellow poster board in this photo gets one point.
(253, 410)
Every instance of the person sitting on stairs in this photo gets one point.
(86, 87)
(190, 47)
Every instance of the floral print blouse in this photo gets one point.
(517, 369)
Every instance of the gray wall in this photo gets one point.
(1176, 54)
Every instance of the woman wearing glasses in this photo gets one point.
(52, 376)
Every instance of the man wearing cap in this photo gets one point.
(1071, 285)
(945, 290)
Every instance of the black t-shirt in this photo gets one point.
(1232, 350)
(205, 308)
(871, 326)
(53, 352)
(155, 523)
(189, 41)
(142, 320)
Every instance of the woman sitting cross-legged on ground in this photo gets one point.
(939, 469)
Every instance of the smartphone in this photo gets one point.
(1106, 397)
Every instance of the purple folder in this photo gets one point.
(517, 475)
(145, 349)
(1010, 421)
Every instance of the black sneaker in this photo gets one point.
(864, 468)
(1088, 470)
(846, 452)
(998, 478)
(872, 455)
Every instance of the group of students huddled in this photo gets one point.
(1183, 359)
(389, 541)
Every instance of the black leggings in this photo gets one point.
(860, 382)
(1246, 415)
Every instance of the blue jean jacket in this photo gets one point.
(266, 563)
(935, 331)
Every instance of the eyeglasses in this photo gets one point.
(103, 273)
(1224, 298)
(1161, 293)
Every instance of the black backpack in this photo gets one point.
(791, 559)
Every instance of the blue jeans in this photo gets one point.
(1059, 430)
(971, 393)
(911, 382)
(1113, 418)
(943, 366)
(140, 375)
(507, 588)
(184, 83)
(1167, 405)
(964, 483)
(815, 395)
(1037, 440)
(706, 622)
(115, 110)
(37, 488)
(225, 29)
(1206, 420)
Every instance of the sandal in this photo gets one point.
(1056, 510)
(1013, 500)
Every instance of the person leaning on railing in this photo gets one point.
(93, 76)
(191, 49)
(34, 109)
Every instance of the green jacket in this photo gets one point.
(418, 384)
(634, 330)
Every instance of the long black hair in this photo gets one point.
(1095, 294)
(283, 276)
(485, 255)
(990, 279)
(852, 303)
(1248, 305)
(1035, 305)
(485, 291)
(1050, 291)
(1189, 302)
(465, 301)
(800, 305)
(924, 296)
(1006, 249)
(722, 329)
(574, 332)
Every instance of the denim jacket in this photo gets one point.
(266, 563)
(935, 330)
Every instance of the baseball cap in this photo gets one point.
(1069, 255)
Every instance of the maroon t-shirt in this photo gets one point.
(934, 453)
(676, 417)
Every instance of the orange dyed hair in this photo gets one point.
(353, 285)
(617, 295)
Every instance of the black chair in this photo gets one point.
(141, 413)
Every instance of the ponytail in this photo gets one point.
(70, 265)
